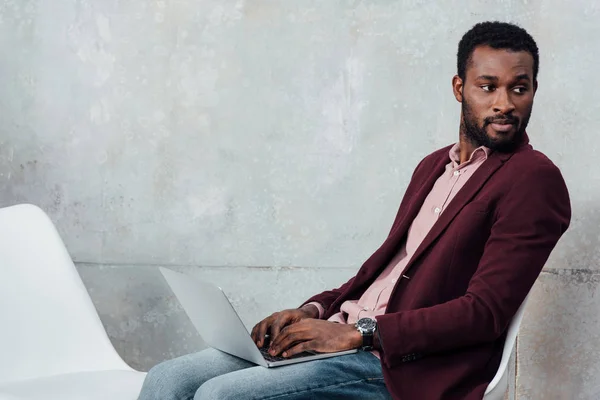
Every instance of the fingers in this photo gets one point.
(273, 324)
(260, 330)
(279, 323)
(297, 349)
(288, 337)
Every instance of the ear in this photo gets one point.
(535, 87)
(457, 88)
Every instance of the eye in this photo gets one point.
(520, 89)
(487, 88)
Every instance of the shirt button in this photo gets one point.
(365, 308)
(456, 173)
(437, 210)
(393, 281)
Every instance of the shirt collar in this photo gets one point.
(480, 153)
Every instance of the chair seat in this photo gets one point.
(95, 385)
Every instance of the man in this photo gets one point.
(430, 307)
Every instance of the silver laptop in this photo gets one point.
(220, 326)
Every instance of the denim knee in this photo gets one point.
(166, 381)
(216, 389)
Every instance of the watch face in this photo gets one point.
(367, 324)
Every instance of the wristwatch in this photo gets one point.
(367, 328)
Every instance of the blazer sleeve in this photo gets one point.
(528, 223)
(327, 298)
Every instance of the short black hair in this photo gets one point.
(497, 35)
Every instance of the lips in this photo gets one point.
(503, 125)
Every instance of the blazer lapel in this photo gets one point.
(462, 198)
(418, 198)
(391, 246)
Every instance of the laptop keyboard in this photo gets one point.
(265, 353)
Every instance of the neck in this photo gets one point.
(466, 148)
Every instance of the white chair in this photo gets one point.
(53, 345)
(497, 387)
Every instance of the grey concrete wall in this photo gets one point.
(265, 145)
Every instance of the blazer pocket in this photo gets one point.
(477, 207)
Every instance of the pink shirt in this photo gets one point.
(374, 300)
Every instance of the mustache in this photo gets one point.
(506, 119)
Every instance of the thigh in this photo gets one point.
(354, 376)
(181, 377)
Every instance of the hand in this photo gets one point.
(315, 335)
(276, 322)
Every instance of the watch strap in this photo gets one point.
(367, 334)
(367, 344)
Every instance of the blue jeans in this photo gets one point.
(211, 374)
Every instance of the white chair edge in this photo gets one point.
(509, 344)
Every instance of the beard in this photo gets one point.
(478, 135)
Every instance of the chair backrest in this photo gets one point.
(49, 324)
(499, 383)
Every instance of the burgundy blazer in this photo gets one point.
(445, 324)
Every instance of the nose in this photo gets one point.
(503, 103)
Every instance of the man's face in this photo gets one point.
(497, 97)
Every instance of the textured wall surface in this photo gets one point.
(265, 146)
